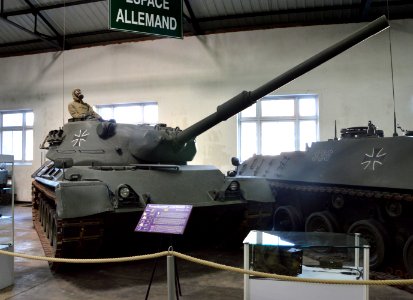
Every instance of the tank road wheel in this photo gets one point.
(408, 255)
(49, 221)
(45, 219)
(287, 218)
(338, 201)
(322, 221)
(394, 209)
(374, 233)
(53, 240)
(50, 233)
(41, 214)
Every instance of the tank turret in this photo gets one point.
(108, 143)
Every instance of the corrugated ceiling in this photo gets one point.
(32, 26)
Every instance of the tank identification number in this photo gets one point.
(79, 138)
(322, 155)
(373, 160)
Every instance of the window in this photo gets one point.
(277, 124)
(131, 113)
(16, 128)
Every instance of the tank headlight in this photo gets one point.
(124, 192)
(234, 186)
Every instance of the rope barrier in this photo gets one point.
(86, 260)
(211, 265)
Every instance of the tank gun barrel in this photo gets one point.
(248, 98)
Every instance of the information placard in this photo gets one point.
(164, 218)
(158, 17)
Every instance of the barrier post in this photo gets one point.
(366, 268)
(356, 250)
(246, 267)
(170, 272)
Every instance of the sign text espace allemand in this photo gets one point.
(159, 17)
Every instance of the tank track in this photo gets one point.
(75, 237)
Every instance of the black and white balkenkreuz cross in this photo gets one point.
(81, 137)
(370, 161)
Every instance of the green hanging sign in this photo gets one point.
(158, 17)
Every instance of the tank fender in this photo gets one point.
(255, 189)
(82, 198)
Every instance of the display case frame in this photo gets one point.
(305, 255)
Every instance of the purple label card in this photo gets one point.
(164, 218)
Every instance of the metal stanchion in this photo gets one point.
(356, 250)
(366, 268)
(246, 267)
(171, 281)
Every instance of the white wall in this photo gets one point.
(190, 77)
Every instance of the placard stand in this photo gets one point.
(170, 220)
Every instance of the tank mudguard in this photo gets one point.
(82, 198)
(255, 189)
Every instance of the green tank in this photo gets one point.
(100, 173)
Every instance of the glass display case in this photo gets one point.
(315, 255)
(6, 219)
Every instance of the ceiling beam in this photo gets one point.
(280, 12)
(193, 20)
(47, 7)
(20, 43)
(357, 7)
(36, 12)
(49, 40)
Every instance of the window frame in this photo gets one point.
(23, 128)
(115, 105)
(258, 119)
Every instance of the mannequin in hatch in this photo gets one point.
(81, 110)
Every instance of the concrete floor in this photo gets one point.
(34, 280)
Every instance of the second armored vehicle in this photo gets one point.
(359, 183)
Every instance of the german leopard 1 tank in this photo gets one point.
(101, 171)
(358, 183)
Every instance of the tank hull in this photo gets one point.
(368, 162)
(78, 211)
